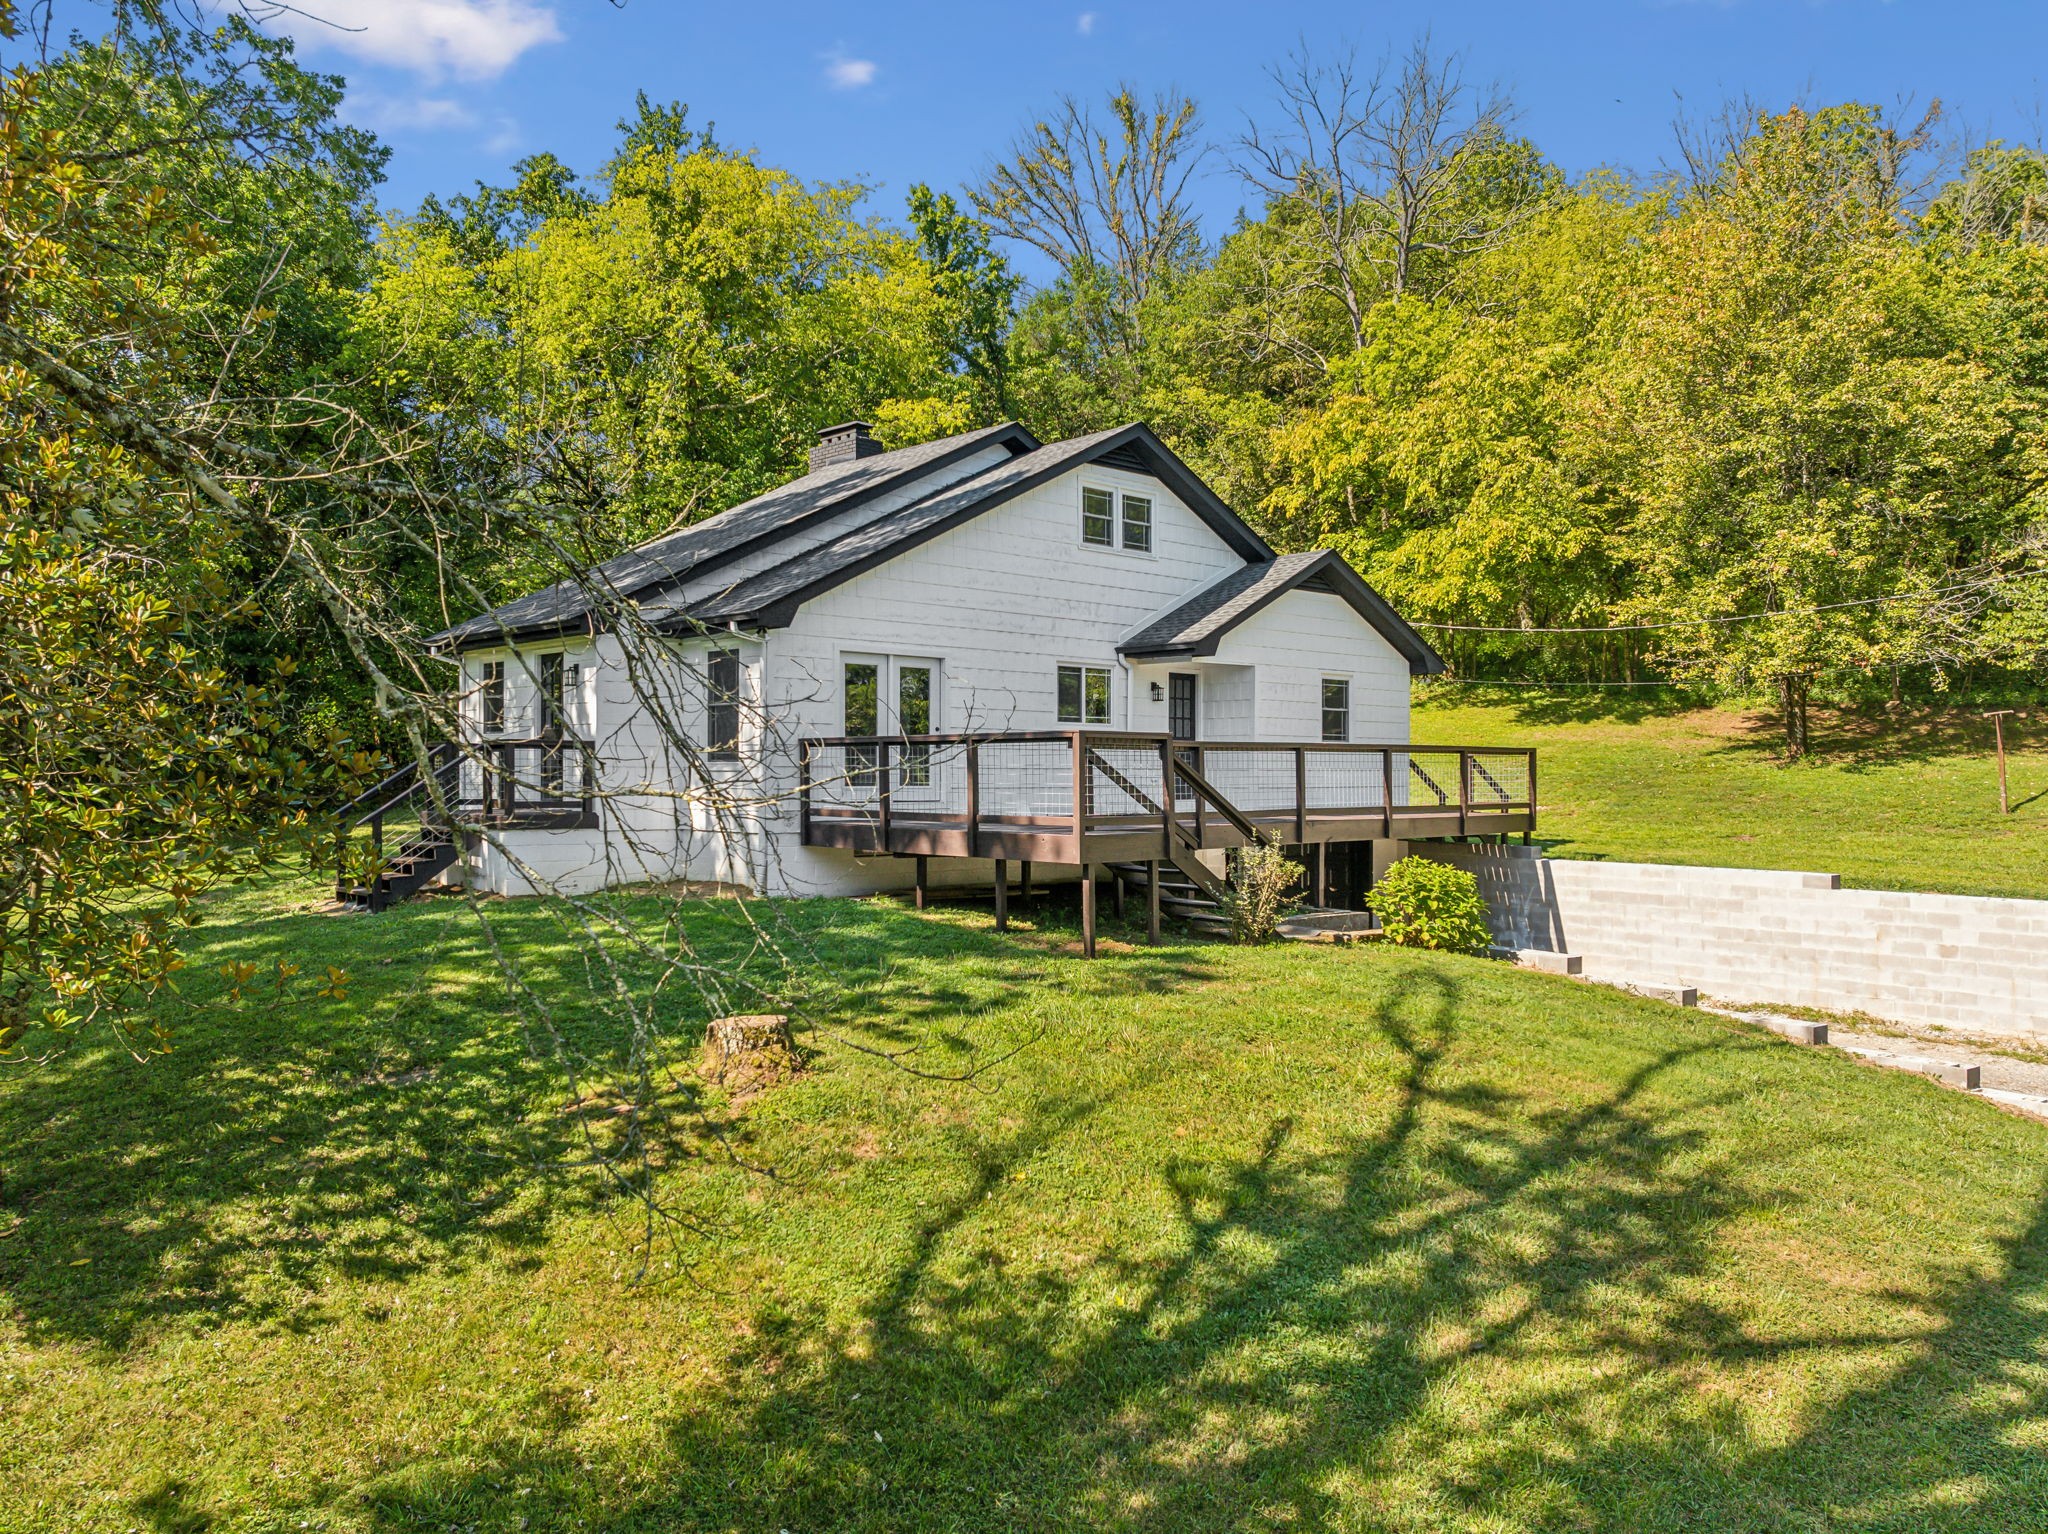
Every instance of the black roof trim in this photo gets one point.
(566, 608)
(771, 599)
(1197, 626)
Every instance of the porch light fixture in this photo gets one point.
(1158, 692)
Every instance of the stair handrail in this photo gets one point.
(1235, 818)
(406, 782)
(1137, 794)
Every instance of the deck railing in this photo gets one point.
(1082, 783)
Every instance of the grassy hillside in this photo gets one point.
(1887, 802)
(1289, 1238)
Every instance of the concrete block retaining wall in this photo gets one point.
(1752, 935)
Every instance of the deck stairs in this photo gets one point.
(379, 881)
(1195, 907)
(405, 873)
(1180, 897)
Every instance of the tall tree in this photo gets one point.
(1799, 433)
(1108, 205)
(180, 231)
(652, 347)
(1390, 178)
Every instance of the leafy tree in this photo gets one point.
(660, 345)
(1797, 432)
(177, 212)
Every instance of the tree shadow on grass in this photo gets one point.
(1284, 1365)
(1570, 705)
(370, 1139)
(415, 1127)
(1913, 735)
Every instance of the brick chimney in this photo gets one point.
(842, 444)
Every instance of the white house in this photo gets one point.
(1046, 616)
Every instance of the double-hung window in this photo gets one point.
(1084, 695)
(1098, 517)
(722, 713)
(1137, 510)
(1336, 708)
(1110, 520)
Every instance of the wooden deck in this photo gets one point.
(1085, 796)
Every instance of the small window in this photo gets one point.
(550, 709)
(1336, 708)
(1138, 523)
(722, 717)
(1084, 695)
(1098, 518)
(491, 697)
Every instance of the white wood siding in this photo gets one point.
(1002, 601)
(999, 603)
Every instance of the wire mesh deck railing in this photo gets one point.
(1078, 783)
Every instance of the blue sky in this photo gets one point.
(898, 93)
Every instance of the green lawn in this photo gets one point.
(1887, 802)
(1244, 1239)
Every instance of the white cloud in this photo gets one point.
(1085, 22)
(505, 137)
(472, 39)
(399, 114)
(848, 74)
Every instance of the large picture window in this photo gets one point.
(1084, 695)
(722, 713)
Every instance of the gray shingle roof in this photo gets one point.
(1198, 625)
(703, 546)
(863, 547)
(684, 580)
(1221, 606)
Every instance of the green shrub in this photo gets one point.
(1261, 892)
(1422, 903)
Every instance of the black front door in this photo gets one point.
(1180, 705)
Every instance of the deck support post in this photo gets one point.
(919, 880)
(1152, 902)
(1116, 889)
(1322, 873)
(1002, 895)
(1300, 795)
(1088, 910)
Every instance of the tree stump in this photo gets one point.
(747, 1054)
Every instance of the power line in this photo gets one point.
(1482, 681)
(1681, 623)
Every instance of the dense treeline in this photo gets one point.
(260, 437)
(1804, 377)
